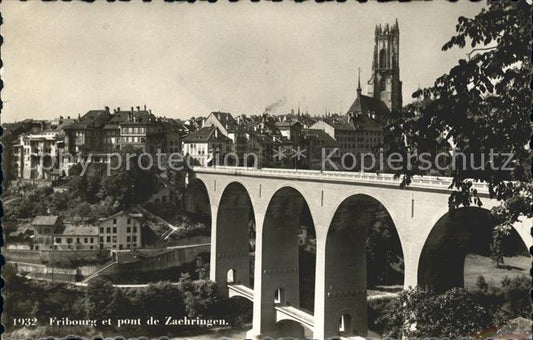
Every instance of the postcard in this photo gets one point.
(266, 170)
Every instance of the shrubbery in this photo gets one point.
(101, 300)
(187, 298)
(506, 302)
(456, 313)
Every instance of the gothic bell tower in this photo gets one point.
(385, 83)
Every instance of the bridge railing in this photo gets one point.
(436, 182)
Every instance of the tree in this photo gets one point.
(419, 313)
(133, 182)
(99, 299)
(158, 300)
(202, 268)
(482, 105)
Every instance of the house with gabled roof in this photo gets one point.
(205, 143)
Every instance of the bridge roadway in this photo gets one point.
(425, 182)
(240, 290)
(342, 205)
(283, 312)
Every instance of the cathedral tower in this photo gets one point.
(385, 83)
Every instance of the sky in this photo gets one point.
(183, 60)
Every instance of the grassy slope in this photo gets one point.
(476, 265)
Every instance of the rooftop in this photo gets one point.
(78, 230)
(205, 134)
(45, 220)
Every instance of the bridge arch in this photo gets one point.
(196, 198)
(234, 225)
(452, 237)
(345, 266)
(281, 252)
(290, 329)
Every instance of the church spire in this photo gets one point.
(358, 81)
(385, 83)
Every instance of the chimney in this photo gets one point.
(138, 108)
(118, 109)
(144, 107)
(107, 109)
(132, 109)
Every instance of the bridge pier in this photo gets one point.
(230, 253)
(276, 279)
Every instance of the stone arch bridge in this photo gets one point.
(433, 242)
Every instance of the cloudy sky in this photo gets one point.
(181, 59)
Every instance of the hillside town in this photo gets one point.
(45, 150)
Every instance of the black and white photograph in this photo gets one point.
(266, 169)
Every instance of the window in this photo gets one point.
(108, 229)
(114, 238)
(101, 239)
(58, 239)
(135, 229)
(101, 230)
(134, 238)
(345, 324)
(69, 240)
(129, 220)
(114, 221)
(108, 239)
(230, 276)
(92, 240)
(86, 240)
(128, 229)
(279, 296)
(114, 230)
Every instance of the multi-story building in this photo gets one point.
(120, 231)
(44, 228)
(317, 143)
(37, 154)
(86, 135)
(230, 128)
(76, 237)
(291, 129)
(205, 144)
(142, 131)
